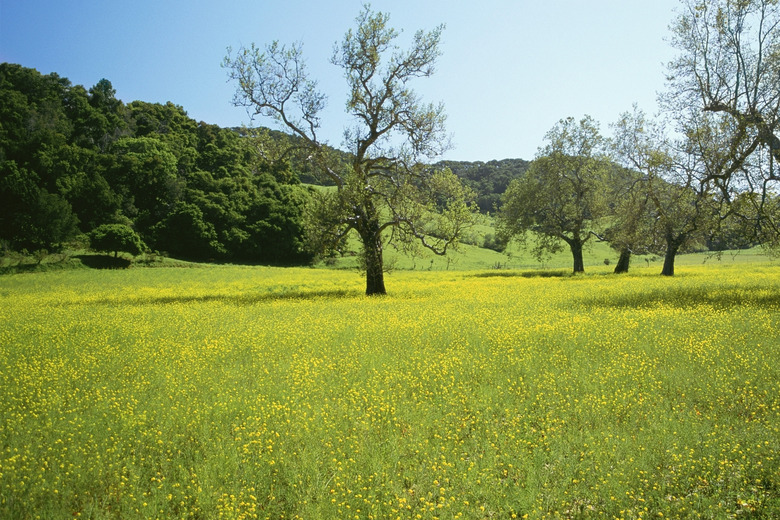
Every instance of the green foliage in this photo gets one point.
(115, 238)
(383, 185)
(71, 156)
(186, 234)
(145, 169)
(31, 217)
(675, 189)
(561, 196)
(488, 179)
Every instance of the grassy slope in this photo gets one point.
(470, 257)
(466, 258)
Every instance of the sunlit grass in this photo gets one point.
(232, 392)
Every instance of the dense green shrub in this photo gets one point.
(116, 238)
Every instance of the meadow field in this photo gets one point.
(254, 392)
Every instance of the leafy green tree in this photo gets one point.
(30, 217)
(170, 125)
(184, 233)
(109, 119)
(144, 174)
(275, 224)
(629, 220)
(68, 155)
(33, 114)
(384, 194)
(560, 198)
(683, 203)
(116, 238)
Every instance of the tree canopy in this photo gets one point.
(385, 194)
(560, 197)
(72, 160)
(115, 238)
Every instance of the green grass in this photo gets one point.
(248, 392)
(597, 256)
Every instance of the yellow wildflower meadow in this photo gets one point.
(242, 393)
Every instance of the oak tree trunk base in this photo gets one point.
(374, 263)
(623, 262)
(668, 269)
(576, 251)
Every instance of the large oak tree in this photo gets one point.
(675, 179)
(385, 194)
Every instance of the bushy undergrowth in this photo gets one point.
(234, 392)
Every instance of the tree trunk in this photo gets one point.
(623, 261)
(372, 256)
(576, 252)
(671, 252)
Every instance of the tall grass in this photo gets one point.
(269, 393)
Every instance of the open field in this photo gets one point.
(249, 392)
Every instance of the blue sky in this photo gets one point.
(509, 70)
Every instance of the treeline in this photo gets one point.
(73, 159)
(488, 179)
(640, 191)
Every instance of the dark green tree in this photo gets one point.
(144, 175)
(70, 155)
(184, 233)
(116, 238)
(30, 217)
(170, 124)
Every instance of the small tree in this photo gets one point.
(629, 221)
(116, 237)
(385, 194)
(560, 197)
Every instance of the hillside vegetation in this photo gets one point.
(73, 159)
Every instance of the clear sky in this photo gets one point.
(509, 70)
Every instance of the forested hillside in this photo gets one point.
(72, 159)
(489, 179)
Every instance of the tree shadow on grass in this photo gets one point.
(104, 261)
(687, 297)
(239, 300)
(524, 274)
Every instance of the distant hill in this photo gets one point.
(488, 179)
